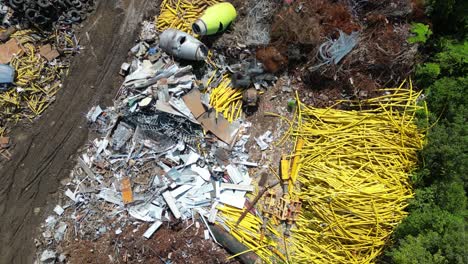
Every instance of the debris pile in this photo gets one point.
(254, 29)
(34, 60)
(174, 146)
(369, 37)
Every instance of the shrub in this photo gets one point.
(421, 33)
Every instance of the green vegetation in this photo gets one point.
(448, 16)
(435, 230)
(421, 33)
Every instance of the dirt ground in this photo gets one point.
(43, 152)
(173, 243)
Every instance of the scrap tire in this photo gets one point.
(44, 3)
(15, 4)
(74, 15)
(31, 14)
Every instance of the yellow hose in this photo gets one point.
(353, 178)
(227, 100)
(181, 14)
(37, 83)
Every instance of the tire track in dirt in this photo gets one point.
(44, 153)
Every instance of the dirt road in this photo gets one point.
(43, 154)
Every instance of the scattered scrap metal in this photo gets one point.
(173, 148)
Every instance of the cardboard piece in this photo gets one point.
(209, 119)
(193, 102)
(8, 50)
(48, 52)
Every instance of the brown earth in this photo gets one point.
(43, 153)
(172, 243)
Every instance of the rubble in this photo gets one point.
(148, 233)
(264, 140)
(254, 27)
(9, 50)
(333, 51)
(46, 13)
(58, 210)
(7, 75)
(48, 52)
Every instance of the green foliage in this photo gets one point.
(421, 33)
(453, 57)
(445, 156)
(435, 231)
(430, 219)
(451, 197)
(428, 69)
(431, 235)
(451, 60)
(427, 72)
(447, 97)
(415, 250)
(291, 104)
(448, 16)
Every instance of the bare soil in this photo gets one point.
(172, 243)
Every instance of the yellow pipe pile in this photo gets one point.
(37, 83)
(353, 178)
(181, 14)
(248, 233)
(227, 100)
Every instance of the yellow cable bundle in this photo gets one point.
(248, 233)
(180, 14)
(354, 176)
(25, 36)
(227, 100)
(38, 81)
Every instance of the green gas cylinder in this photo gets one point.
(215, 19)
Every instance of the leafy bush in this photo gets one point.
(452, 57)
(435, 231)
(431, 235)
(448, 16)
(451, 60)
(428, 71)
(446, 97)
(421, 33)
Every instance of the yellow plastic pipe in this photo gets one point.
(297, 157)
(215, 19)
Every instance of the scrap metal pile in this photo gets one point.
(173, 147)
(33, 61)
